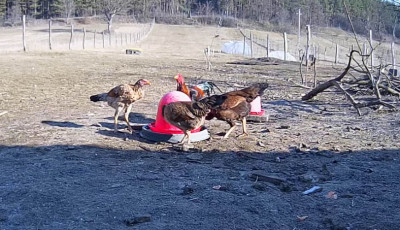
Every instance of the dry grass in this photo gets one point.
(55, 86)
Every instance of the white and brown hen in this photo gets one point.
(121, 98)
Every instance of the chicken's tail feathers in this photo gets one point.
(214, 101)
(210, 115)
(99, 97)
(214, 85)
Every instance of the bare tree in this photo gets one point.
(110, 8)
(69, 6)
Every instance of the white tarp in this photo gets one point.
(280, 55)
(235, 48)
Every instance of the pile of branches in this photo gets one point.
(362, 78)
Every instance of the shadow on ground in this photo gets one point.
(78, 187)
(65, 124)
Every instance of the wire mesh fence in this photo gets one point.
(61, 37)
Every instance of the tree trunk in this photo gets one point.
(109, 21)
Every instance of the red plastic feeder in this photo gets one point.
(256, 107)
(161, 130)
(162, 126)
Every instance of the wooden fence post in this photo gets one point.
(268, 46)
(84, 38)
(130, 37)
(308, 29)
(284, 46)
(364, 51)
(208, 58)
(109, 38)
(72, 34)
(251, 44)
(102, 35)
(23, 32)
(299, 34)
(393, 56)
(121, 40)
(244, 45)
(337, 54)
(315, 51)
(372, 49)
(94, 39)
(50, 34)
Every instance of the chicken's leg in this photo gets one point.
(126, 116)
(183, 139)
(244, 127)
(233, 126)
(188, 136)
(117, 112)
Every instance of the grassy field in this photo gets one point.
(63, 167)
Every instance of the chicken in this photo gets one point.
(181, 85)
(188, 116)
(237, 106)
(196, 92)
(208, 87)
(121, 98)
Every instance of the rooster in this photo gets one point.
(237, 106)
(188, 116)
(121, 98)
(196, 92)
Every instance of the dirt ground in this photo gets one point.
(63, 167)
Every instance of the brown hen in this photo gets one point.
(188, 116)
(237, 106)
(121, 99)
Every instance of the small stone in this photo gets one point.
(260, 176)
(187, 190)
(137, 220)
(219, 187)
(194, 156)
(285, 187)
(302, 145)
(259, 186)
(335, 148)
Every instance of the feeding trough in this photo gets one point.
(257, 114)
(133, 51)
(161, 130)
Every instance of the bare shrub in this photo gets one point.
(85, 20)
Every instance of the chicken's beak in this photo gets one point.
(148, 82)
(176, 77)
